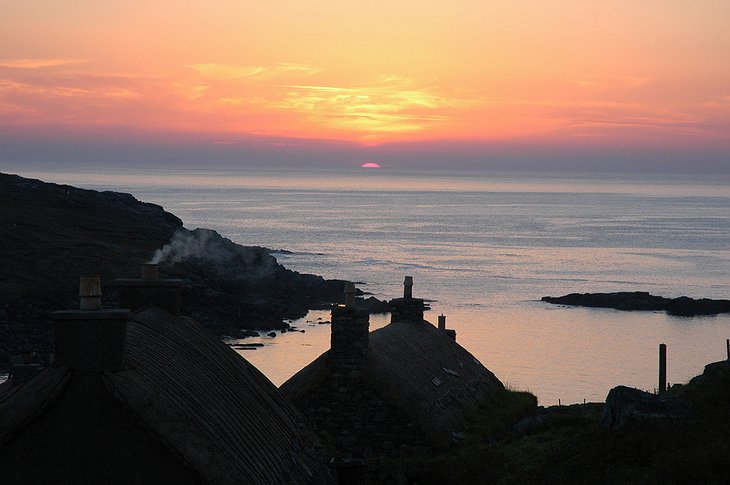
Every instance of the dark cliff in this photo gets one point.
(50, 234)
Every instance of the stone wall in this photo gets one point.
(407, 310)
(369, 436)
(349, 337)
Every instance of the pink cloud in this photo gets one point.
(39, 63)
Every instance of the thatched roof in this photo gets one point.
(196, 396)
(19, 404)
(424, 371)
(413, 358)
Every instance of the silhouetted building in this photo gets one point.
(150, 397)
(398, 392)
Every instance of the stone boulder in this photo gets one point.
(627, 406)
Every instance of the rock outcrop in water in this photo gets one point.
(50, 234)
(643, 301)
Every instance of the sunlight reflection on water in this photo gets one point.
(556, 352)
(283, 355)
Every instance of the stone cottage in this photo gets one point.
(397, 393)
(149, 396)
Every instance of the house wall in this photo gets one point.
(356, 418)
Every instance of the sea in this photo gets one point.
(483, 248)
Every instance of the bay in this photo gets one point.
(485, 247)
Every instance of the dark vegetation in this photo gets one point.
(643, 301)
(51, 234)
(511, 441)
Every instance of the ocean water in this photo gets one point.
(485, 248)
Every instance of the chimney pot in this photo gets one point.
(91, 338)
(442, 322)
(90, 292)
(408, 287)
(150, 271)
(349, 294)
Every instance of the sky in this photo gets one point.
(571, 84)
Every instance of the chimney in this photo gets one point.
(150, 290)
(349, 294)
(90, 292)
(349, 332)
(150, 272)
(407, 308)
(442, 327)
(90, 339)
(408, 287)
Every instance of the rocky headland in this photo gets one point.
(643, 301)
(50, 234)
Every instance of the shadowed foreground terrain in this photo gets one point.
(511, 441)
(51, 234)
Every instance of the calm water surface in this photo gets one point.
(485, 248)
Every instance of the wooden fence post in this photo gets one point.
(662, 368)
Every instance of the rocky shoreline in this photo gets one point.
(643, 301)
(50, 234)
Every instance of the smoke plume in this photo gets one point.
(220, 255)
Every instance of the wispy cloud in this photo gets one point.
(39, 63)
(305, 101)
(625, 120)
(611, 83)
(645, 121)
(66, 91)
(231, 71)
(722, 102)
(53, 97)
(191, 91)
(367, 110)
(387, 105)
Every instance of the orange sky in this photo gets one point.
(637, 73)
